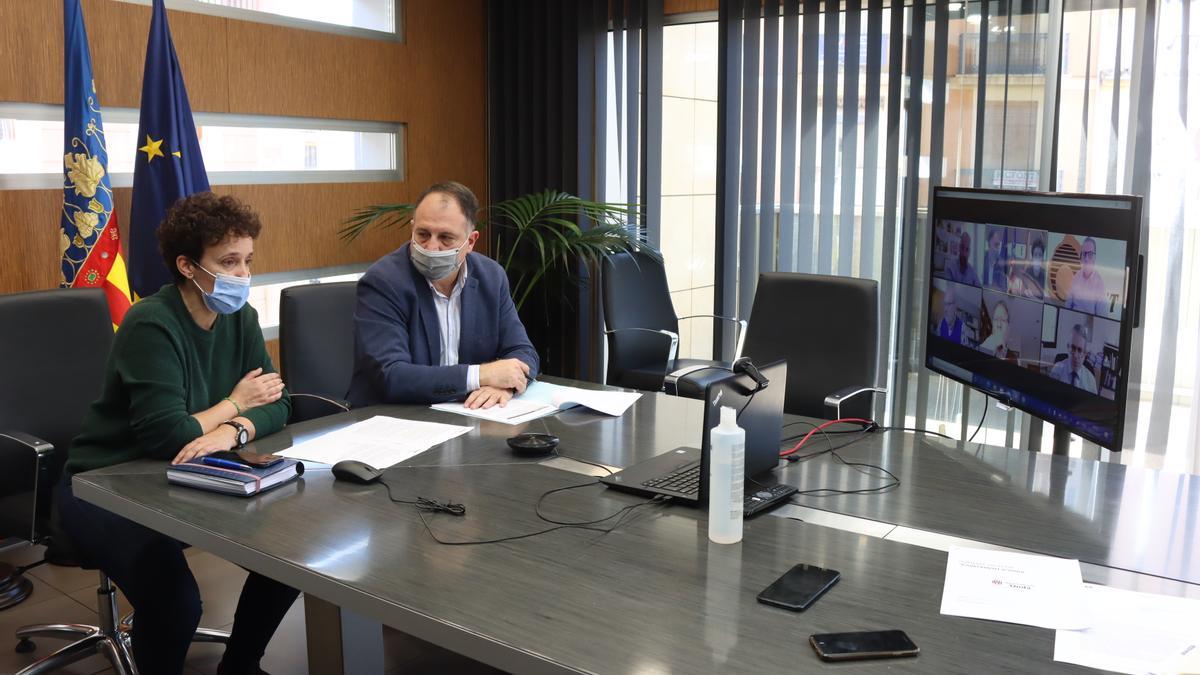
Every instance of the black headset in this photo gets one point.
(745, 366)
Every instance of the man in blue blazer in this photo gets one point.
(435, 321)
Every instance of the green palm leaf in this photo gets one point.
(536, 237)
(379, 215)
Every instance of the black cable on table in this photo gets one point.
(987, 403)
(857, 466)
(424, 505)
(919, 431)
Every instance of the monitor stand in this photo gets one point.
(1062, 440)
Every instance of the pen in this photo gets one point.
(223, 463)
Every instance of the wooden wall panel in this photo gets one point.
(300, 226)
(117, 32)
(273, 352)
(31, 48)
(284, 71)
(301, 222)
(445, 95)
(684, 6)
(29, 252)
(435, 84)
(31, 38)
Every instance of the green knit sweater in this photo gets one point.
(162, 368)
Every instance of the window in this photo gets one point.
(365, 18)
(1010, 142)
(238, 149)
(689, 184)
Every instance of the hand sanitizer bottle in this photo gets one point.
(727, 475)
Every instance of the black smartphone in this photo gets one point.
(249, 458)
(875, 644)
(799, 587)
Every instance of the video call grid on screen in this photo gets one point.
(1036, 285)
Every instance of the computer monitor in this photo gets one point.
(1032, 300)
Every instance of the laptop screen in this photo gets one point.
(761, 416)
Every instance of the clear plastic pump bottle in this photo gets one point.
(727, 475)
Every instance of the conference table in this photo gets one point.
(653, 594)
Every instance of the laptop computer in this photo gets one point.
(683, 472)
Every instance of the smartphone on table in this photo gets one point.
(247, 458)
(876, 644)
(799, 587)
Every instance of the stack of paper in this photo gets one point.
(379, 441)
(1134, 633)
(543, 398)
(1096, 626)
(1014, 587)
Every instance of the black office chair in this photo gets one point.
(643, 330)
(53, 347)
(827, 327)
(316, 347)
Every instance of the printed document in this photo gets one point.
(1014, 587)
(379, 441)
(1134, 632)
(543, 398)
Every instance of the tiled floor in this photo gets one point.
(68, 595)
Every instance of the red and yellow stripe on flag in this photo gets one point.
(104, 267)
(90, 241)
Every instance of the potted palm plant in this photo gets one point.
(539, 239)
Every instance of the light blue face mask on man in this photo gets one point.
(229, 292)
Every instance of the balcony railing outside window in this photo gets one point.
(1025, 56)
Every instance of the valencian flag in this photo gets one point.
(168, 165)
(90, 241)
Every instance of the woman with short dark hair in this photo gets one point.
(188, 375)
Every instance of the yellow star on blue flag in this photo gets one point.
(152, 148)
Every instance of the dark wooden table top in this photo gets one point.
(1141, 520)
(652, 596)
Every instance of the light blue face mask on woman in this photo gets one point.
(229, 292)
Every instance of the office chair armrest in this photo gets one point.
(674, 337)
(311, 406)
(671, 381)
(741, 324)
(837, 398)
(344, 406)
(24, 483)
(16, 441)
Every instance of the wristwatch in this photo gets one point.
(243, 434)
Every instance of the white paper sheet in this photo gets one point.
(1133, 632)
(1014, 587)
(515, 411)
(544, 398)
(613, 403)
(378, 441)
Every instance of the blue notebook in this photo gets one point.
(241, 482)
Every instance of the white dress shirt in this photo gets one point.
(1082, 378)
(449, 313)
(1087, 294)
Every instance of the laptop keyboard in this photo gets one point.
(685, 480)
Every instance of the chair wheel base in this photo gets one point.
(14, 587)
(25, 646)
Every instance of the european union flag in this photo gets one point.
(169, 165)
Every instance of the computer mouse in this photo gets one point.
(533, 444)
(354, 471)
